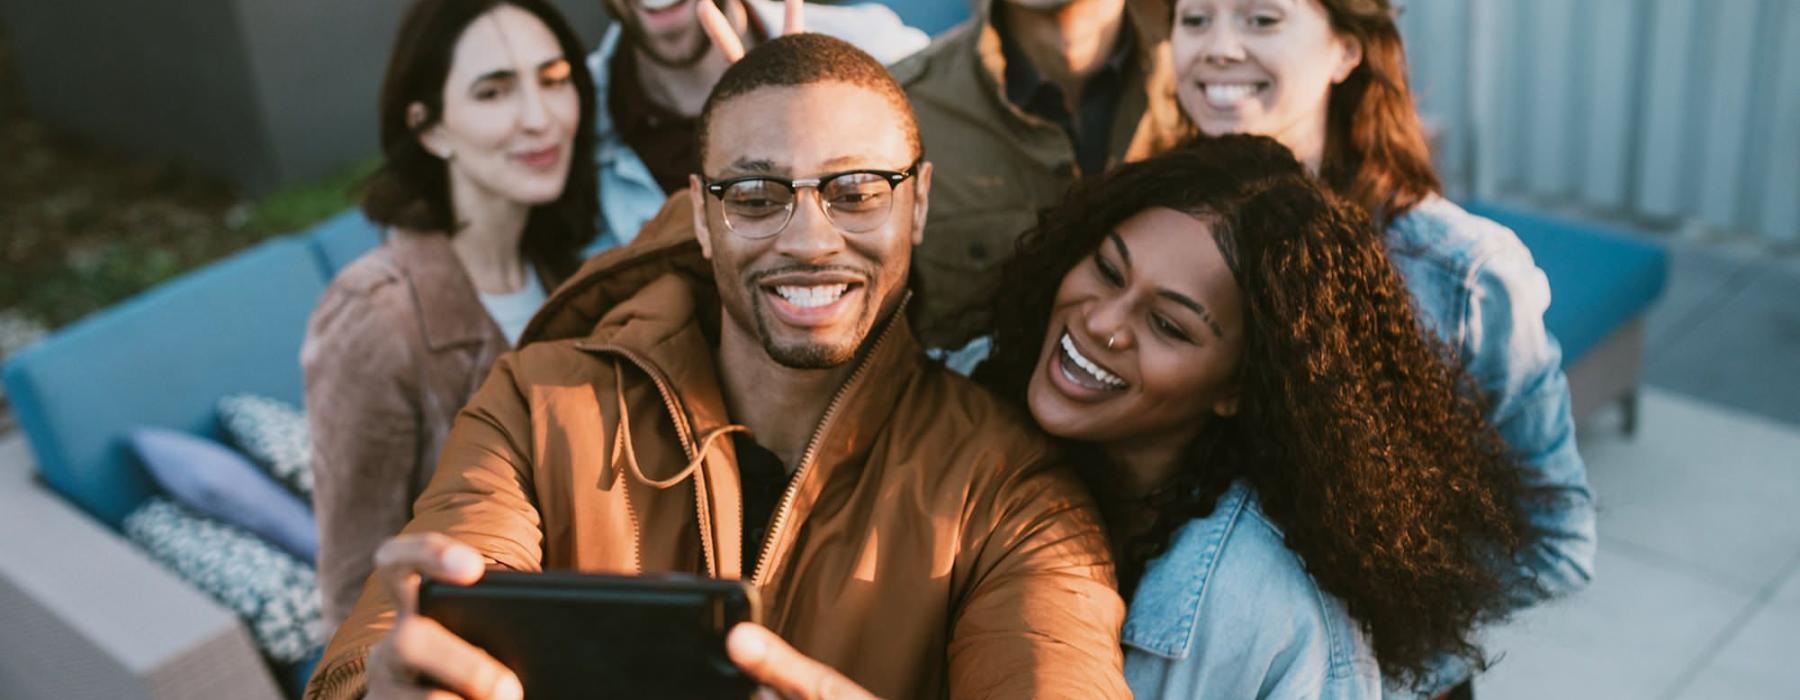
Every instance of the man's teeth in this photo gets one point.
(809, 297)
(1089, 366)
(1227, 95)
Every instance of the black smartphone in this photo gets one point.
(570, 635)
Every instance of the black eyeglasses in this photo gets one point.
(857, 201)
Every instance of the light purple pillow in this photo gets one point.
(213, 480)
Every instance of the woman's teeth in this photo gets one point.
(810, 297)
(1092, 369)
(1228, 95)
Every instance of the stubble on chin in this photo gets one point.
(804, 355)
(689, 45)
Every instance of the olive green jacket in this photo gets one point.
(995, 166)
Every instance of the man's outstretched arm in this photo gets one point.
(1042, 616)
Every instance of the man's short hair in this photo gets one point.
(804, 59)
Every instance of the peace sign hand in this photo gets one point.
(726, 38)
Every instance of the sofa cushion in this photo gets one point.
(342, 239)
(276, 595)
(274, 435)
(1599, 278)
(214, 481)
(162, 359)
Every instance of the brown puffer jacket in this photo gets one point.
(928, 544)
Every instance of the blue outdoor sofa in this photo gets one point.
(165, 358)
(105, 620)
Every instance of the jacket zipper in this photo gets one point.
(687, 447)
(758, 576)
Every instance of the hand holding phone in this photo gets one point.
(570, 635)
(418, 655)
(785, 672)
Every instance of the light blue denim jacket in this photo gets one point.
(1228, 611)
(629, 195)
(1478, 288)
(1475, 286)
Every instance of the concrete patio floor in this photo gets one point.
(1697, 589)
(1697, 593)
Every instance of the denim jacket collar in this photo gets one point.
(599, 65)
(1166, 605)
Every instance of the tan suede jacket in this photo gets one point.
(396, 346)
(928, 545)
(996, 166)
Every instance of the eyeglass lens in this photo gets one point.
(854, 202)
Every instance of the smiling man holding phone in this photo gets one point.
(738, 395)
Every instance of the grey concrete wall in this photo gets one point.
(260, 93)
(154, 78)
(1678, 113)
(318, 67)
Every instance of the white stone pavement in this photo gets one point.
(1697, 593)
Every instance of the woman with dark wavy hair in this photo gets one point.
(487, 193)
(1328, 79)
(1302, 491)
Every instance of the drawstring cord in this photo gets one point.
(622, 448)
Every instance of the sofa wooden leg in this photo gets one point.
(1628, 404)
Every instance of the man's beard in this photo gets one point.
(807, 355)
(638, 38)
(810, 355)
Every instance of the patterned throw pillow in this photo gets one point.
(217, 482)
(275, 436)
(275, 594)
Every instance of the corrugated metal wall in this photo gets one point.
(1678, 111)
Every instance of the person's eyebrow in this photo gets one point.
(1196, 307)
(751, 166)
(850, 161)
(555, 62)
(501, 74)
(1119, 243)
(509, 74)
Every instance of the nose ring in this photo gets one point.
(1110, 340)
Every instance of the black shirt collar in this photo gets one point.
(1024, 82)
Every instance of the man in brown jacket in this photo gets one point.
(738, 394)
(1014, 106)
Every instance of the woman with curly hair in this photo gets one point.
(1303, 494)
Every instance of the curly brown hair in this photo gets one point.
(1363, 439)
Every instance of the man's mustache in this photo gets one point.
(756, 278)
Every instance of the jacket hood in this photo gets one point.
(665, 245)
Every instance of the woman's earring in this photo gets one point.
(449, 154)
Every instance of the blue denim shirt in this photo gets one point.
(1228, 611)
(629, 195)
